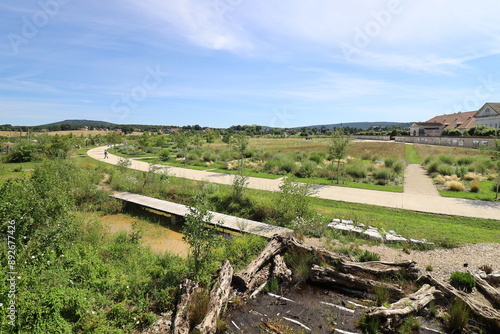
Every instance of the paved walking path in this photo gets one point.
(408, 200)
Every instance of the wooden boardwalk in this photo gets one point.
(227, 222)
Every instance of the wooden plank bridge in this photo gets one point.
(226, 222)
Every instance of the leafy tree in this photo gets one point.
(210, 137)
(337, 147)
(201, 237)
(227, 138)
(293, 200)
(241, 142)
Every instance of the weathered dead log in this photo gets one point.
(491, 293)
(394, 314)
(377, 268)
(321, 253)
(181, 321)
(218, 297)
(341, 280)
(280, 270)
(486, 312)
(246, 279)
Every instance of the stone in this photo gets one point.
(494, 277)
(482, 274)
(373, 233)
(393, 238)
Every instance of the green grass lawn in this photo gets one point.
(485, 192)
(412, 155)
(351, 184)
(18, 169)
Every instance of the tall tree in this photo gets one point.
(337, 147)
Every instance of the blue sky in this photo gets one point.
(225, 62)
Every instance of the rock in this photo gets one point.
(422, 242)
(393, 238)
(392, 232)
(373, 233)
(494, 277)
(482, 274)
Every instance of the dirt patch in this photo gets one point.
(159, 238)
(320, 310)
(444, 261)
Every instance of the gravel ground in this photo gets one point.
(445, 261)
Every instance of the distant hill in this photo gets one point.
(358, 125)
(80, 123)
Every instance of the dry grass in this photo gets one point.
(357, 149)
(433, 150)
(454, 186)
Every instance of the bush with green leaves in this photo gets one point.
(293, 201)
(307, 168)
(70, 276)
(383, 175)
(463, 280)
(356, 170)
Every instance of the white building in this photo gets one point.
(488, 115)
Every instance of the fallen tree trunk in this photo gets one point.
(320, 252)
(181, 321)
(377, 268)
(342, 280)
(246, 279)
(374, 268)
(478, 308)
(280, 270)
(492, 293)
(394, 314)
(218, 297)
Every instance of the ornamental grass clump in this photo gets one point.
(463, 280)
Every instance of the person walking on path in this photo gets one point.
(105, 154)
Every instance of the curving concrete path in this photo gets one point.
(415, 198)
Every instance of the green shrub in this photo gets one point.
(287, 166)
(272, 285)
(383, 175)
(462, 280)
(433, 167)
(458, 316)
(398, 166)
(446, 159)
(389, 162)
(356, 170)
(411, 325)
(445, 169)
(367, 256)
(318, 157)
(307, 168)
(164, 154)
(465, 160)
